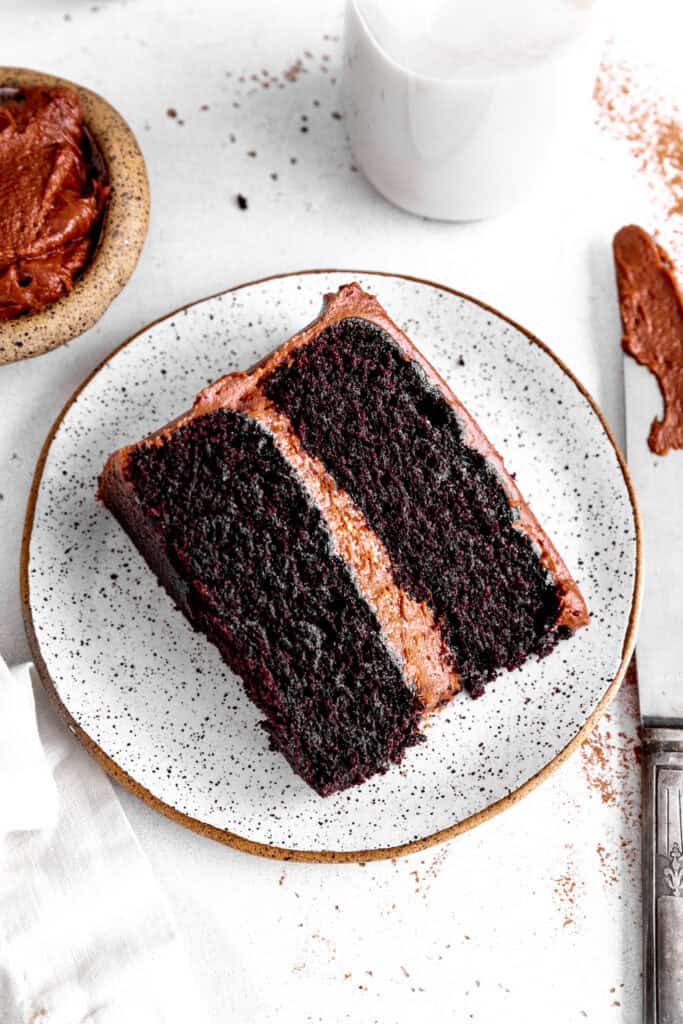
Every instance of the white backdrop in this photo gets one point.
(534, 915)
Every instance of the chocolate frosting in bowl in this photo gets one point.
(51, 198)
(113, 157)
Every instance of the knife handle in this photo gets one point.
(663, 875)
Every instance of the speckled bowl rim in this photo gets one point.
(122, 234)
(330, 856)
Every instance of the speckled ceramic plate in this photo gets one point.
(154, 702)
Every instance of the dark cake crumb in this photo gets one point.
(242, 201)
(393, 442)
(254, 569)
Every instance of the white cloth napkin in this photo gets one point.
(85, 935)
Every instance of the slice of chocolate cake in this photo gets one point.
(338, 525)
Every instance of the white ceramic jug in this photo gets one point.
(453, 108)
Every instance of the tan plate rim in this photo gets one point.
(122, 234)
(328, 856)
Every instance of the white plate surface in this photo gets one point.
(156, 697)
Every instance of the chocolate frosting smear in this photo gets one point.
(652, 315)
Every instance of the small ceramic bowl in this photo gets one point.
(122, 232)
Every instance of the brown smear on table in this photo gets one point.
(652, 316)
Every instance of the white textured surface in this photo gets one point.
(534, 916)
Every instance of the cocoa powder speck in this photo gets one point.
(631, 108)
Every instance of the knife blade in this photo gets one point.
(658, 481)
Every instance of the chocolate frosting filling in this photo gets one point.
(409, 626)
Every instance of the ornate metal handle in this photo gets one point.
(663, 875)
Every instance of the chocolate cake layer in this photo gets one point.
(397, 447)
(252, 566)
(409, 626)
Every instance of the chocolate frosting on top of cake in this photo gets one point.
(652, 315)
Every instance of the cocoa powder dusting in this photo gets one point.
(565, 890)
(608, 865)
(631, 110)
(610, 760)
(294, 71)
(428, 871)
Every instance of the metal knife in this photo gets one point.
(659, 486)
